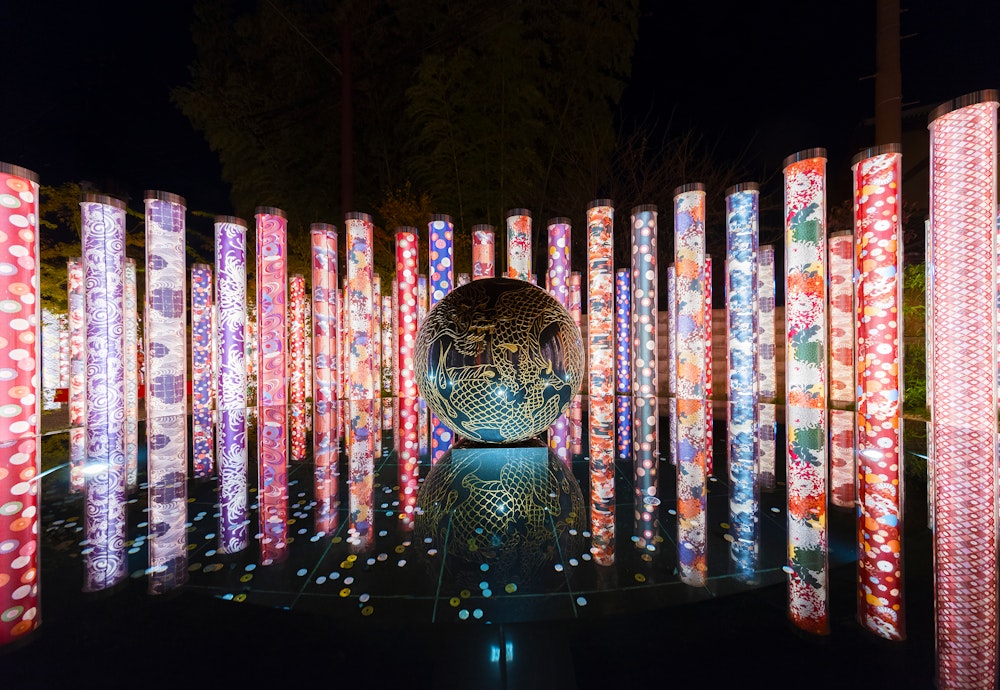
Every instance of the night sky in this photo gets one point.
(90, 84)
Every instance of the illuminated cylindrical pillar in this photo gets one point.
(201, 369)
(20, 360)
(878, 238)
(166, 390)
(767, 377)
(320, 336)
(388, 351)
(483, 246)
(408, 445)
(77, 378)
(644, 381)
(840, 248)
(335, 354)
(963, 216)
(441, 261)
(297, 364)
(689, 267)
(576, 403)
(805, 387)
(601, 377)
(929, 363)
(709, 411)
(742, 231)
(623, 362)
(231, 296)
(64, 351)
(252, 352)
(557, 280)
(272, 367)
(672, 357)
(105, 527)
(519, 243)
(361, 387)
(376, 343)
(131, 378)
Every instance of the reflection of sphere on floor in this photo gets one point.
(512, 508)
(498, 360)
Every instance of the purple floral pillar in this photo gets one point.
(201, 369)
(105, 526)
(166, 394)
(231, 297)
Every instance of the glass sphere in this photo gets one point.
(498, 360)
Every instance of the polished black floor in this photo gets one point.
(574, 625)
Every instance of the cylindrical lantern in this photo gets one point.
(321, 336)
(376, 342)
(879, 267)
(20, 360)
(644, 388)
(709, 411)
(362, 422)
(297, 364)
(840, 249)
(557, 280)
(388, 354)
(335, 355)
(131, 378)
(692, 490)
(272, 367)
(406, 303)
(623, 362)
(77, 379)
(106, 524)
(601, 377)
(805, 387)
(576, 403)
(201, 369)
(166, 390)
(231, 296)
(482, 251)
(742, 231)
(963, 228)
(766, 375)
(519, 243)
(441, 262)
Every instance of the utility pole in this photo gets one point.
(888, 79)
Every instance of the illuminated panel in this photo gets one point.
(557, 280)
(519, 243)
(322, 390)
(406, 290)
(297, 364)
(842, 450)
(742, 230)
(766, 375)
(131, 379)
(623, 362)
(576, 404)
(672, 358)
(105, 517)
(689, 267)
(388, 355)
(441, 261)
(77, 378)
(50, 358)
(877, 186)
(231, 297)
(805, 387)
(709, 411)
(963, 216)
(644, 389)
(166, 390)
(482, 251)
(272, 367)
(362, 422)
(201, 370)
(20, 359)
(601, 377)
